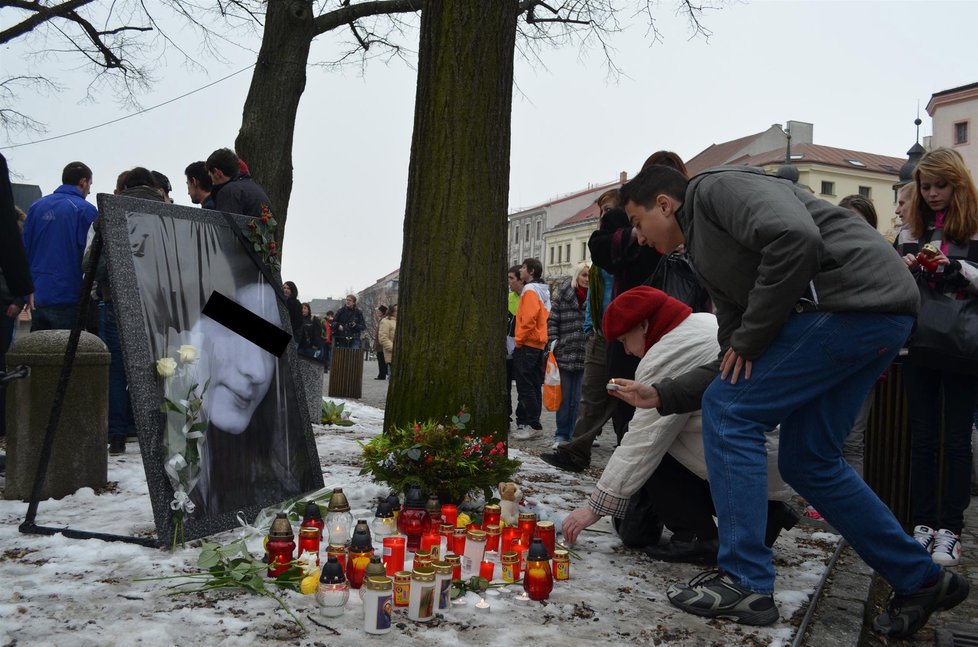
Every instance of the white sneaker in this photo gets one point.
(924, 535)
(947, 548)
(523, 433)
(555, 445)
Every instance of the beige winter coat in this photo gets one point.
(385, 335)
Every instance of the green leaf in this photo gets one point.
(209, 557)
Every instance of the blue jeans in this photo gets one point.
(570, 389)
(121, 422)
(812, 380)
(53, 317)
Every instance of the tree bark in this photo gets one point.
(268, 120)
(451, 349)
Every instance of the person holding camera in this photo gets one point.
(349, 324)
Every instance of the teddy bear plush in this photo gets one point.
(510, 496)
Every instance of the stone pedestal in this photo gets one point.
(79, 456)
(311, 373)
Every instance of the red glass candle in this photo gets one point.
(357, 564)
(490, 516)
(313, 517)
(486, 569)
(431, 542)
(458, 543)
(413, 523)
(537, 580)
(449, 513)
(394, 554)
(547, 535)
(528, 523)
(492, 538)
(510, 534)
(309, 541)
(280, 547)
(456, 562)
(339, 552)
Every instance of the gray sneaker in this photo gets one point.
(905, 614)
(714, 595)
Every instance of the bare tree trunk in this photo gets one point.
(268, 121)
(450, 349)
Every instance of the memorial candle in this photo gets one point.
(492, 537)
(527, 523)
(510, 533)
(486, 570)
(449, 513)
(394, 554)
(431, 542)
(547, 534)
(490, 515)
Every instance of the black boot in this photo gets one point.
(780, 516)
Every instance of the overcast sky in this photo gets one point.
(856, 70)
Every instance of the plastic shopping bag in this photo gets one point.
(551, 385)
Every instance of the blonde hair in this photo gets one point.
(961, 215)
(611, 194)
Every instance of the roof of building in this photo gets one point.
(588, 213)
(569, 196)
(718, 154)
(829, 156)
(953, 95)
(970, 86)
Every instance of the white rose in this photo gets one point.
(188, 354)
(166, 366)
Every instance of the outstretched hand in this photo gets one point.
(636, 394)
(577, 521)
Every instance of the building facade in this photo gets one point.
(954, 116)
(528, 227)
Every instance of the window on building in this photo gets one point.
(516, 235)
(828, 188)
(527, 232)
(866, 192)
(560, 249)
(568, 253)
(551, 255)
(961, 132)
(583, 252)
(539, 228)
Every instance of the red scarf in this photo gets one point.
(581, 295)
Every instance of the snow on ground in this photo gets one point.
(60, 591)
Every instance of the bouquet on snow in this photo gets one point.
(445, 458)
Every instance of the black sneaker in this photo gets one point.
(697, 551)
(714, 595)
(117, 445)
(560, 460)
(905, 614)
(536, 427)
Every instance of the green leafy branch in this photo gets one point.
(234, 567)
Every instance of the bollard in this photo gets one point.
(346, 373)
(887, 450)
(79, 457)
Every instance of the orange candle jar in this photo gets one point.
(561, 565)
(402, 588)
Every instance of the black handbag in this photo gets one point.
(675, 276)
(946, 335)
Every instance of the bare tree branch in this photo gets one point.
(41, 15)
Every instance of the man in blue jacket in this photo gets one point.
(55, 234)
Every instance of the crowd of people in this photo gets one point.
(731, 327)
(755, 320)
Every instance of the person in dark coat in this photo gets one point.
(234, 190)
(349, 324)
(293, 306)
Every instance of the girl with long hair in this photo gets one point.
(943, 212)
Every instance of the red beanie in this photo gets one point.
(630, 308)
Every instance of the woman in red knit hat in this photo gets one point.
(664, 454)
